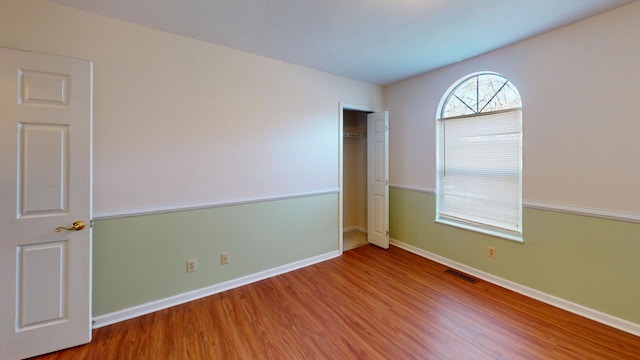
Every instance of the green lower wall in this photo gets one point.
(143, 258)
(590, 261)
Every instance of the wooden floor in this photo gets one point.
(368, 304)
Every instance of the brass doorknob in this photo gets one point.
(76, 226)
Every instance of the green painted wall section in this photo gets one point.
(590, 261)
(141, 259)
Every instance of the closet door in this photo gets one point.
(378, 179)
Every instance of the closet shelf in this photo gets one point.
(352, 135)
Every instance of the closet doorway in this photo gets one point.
(364, 190)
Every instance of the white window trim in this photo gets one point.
(480, 228)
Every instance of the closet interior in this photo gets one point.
(354, 189)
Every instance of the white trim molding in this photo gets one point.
(195, 205)
(130, 313)
(599, 213)
(356, 107)
(569, 306)
(413, 188)
(568, 209)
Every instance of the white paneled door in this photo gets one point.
(378, 179)
(45, 197)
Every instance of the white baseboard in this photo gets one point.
(130, 313)
(351, 228)
(157, 305)
(577, 309)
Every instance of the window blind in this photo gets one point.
(480, 169)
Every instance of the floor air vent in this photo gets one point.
(461, 275)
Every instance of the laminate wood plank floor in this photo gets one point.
(368, 304)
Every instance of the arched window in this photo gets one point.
(479, 156)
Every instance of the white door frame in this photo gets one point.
(345, 106)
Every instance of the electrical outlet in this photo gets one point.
(491, 252)
(224, 258)
(191, 265)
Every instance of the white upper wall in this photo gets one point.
(182, 121)
(580, 87)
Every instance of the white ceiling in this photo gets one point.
(376, 41)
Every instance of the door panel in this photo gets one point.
(42, 284)
(36, 87)
(378, 179)
(43, 159)
(45, 183)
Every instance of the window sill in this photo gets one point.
(508, 235)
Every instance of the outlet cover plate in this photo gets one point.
(191, 265)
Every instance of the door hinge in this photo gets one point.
(386, 182)
(387, 233)
(91, 223)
